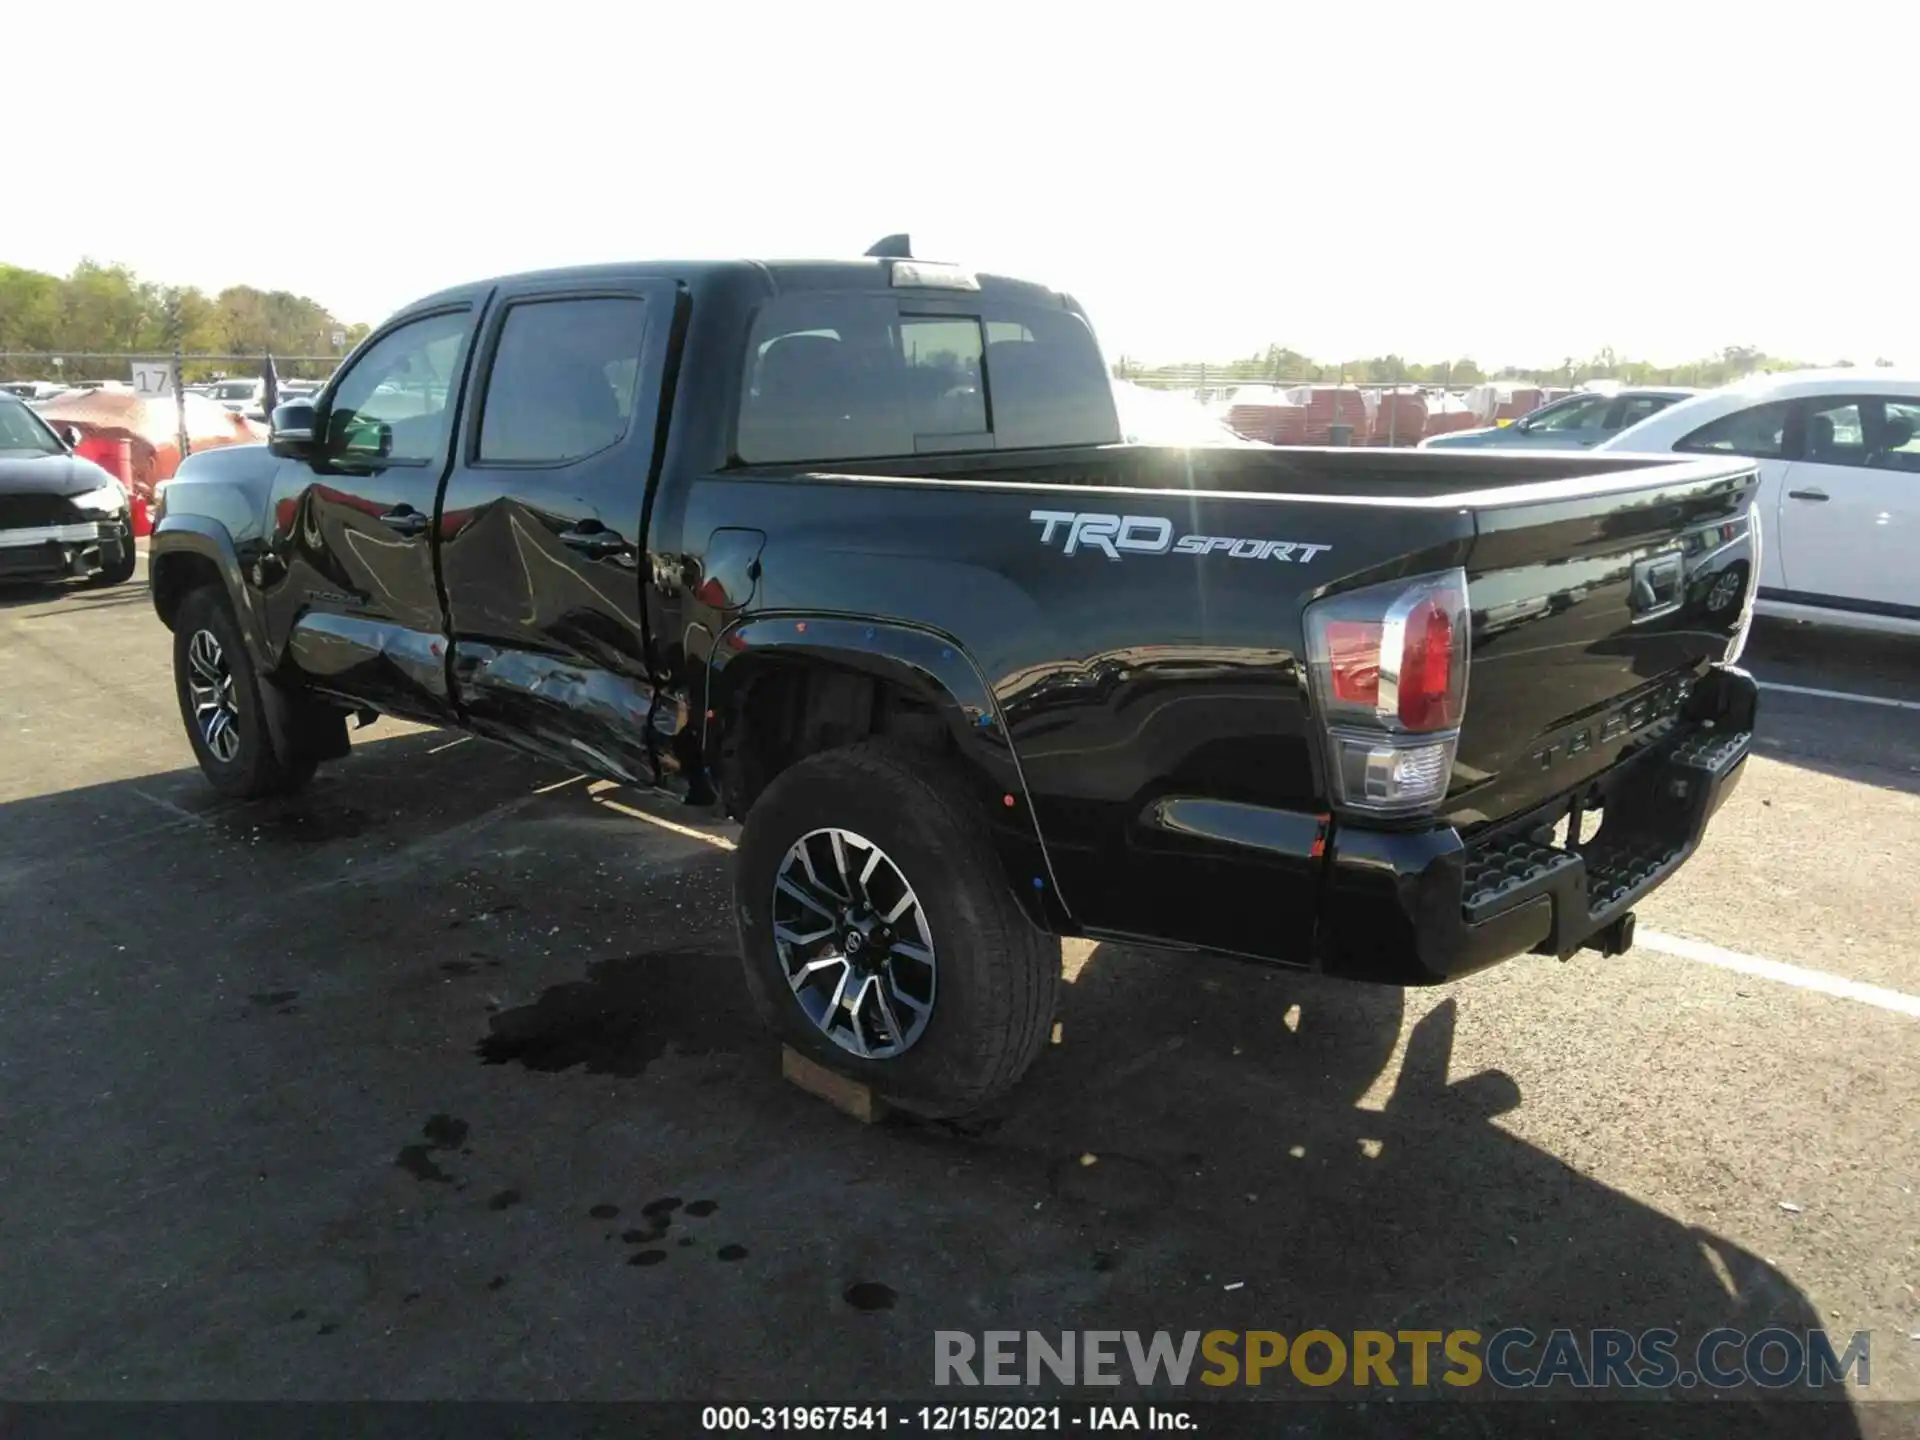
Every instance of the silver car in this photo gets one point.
(1573, 422)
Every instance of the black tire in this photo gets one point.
(255, 768)
(121, 570)
(997, 974)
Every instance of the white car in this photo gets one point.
(240, 396)
(1839, 454)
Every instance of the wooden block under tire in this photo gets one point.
(848, 1096)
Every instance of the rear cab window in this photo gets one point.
(845, 375)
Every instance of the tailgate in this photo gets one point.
(1595, 602)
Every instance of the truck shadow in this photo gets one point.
(1250, 1149)
(71, 596)
(1201, 1125)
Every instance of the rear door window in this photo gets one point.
(842, 376)
(1836, 433)
(561, 384)
(1635, 408)
(1759, 432)
(1899, 443)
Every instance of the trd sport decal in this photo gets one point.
(1153, 535)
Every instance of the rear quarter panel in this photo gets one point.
(1126, 685)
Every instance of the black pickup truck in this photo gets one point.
(852, 549)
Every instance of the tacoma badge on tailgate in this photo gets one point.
(1153, 535)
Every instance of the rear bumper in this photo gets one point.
(1428, 906)
(53, 551)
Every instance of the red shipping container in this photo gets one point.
(1519, 402)
(1400, 417)
(1261, 412)
(1447, 413)
(1330, 405)
(115, 456)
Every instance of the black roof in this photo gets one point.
(770, 276)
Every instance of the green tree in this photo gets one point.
(108, 309)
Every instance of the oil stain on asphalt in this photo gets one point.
(442, 1132)
(659, 1215)
(626, 1014)
(870, 1295)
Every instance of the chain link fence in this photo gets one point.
(236, 382)
(1216, 382)
(1330, 407)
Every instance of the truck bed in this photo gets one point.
(1550, 543)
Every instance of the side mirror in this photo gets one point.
(69, 435)
(290, 435)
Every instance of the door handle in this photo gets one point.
(405, 519)
(1806, 495)
(594, 542)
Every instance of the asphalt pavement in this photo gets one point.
(439, 1081)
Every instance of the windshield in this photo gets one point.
(24, 433)
(234, 390)
(1576, 412)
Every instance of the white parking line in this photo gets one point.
(1798, 976)
(1839, 695)
(598, 790)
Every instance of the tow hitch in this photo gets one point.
(1614, 939)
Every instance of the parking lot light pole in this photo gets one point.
(180, 403)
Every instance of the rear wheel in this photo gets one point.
(879, 934)
(223, 704)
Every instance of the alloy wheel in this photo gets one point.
(1726, 590)
(853, 940)
(210, 687)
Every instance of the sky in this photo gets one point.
(1510, 183)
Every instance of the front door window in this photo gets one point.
(394, 406)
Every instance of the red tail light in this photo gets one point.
(1428, 700)
(1388, 669)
